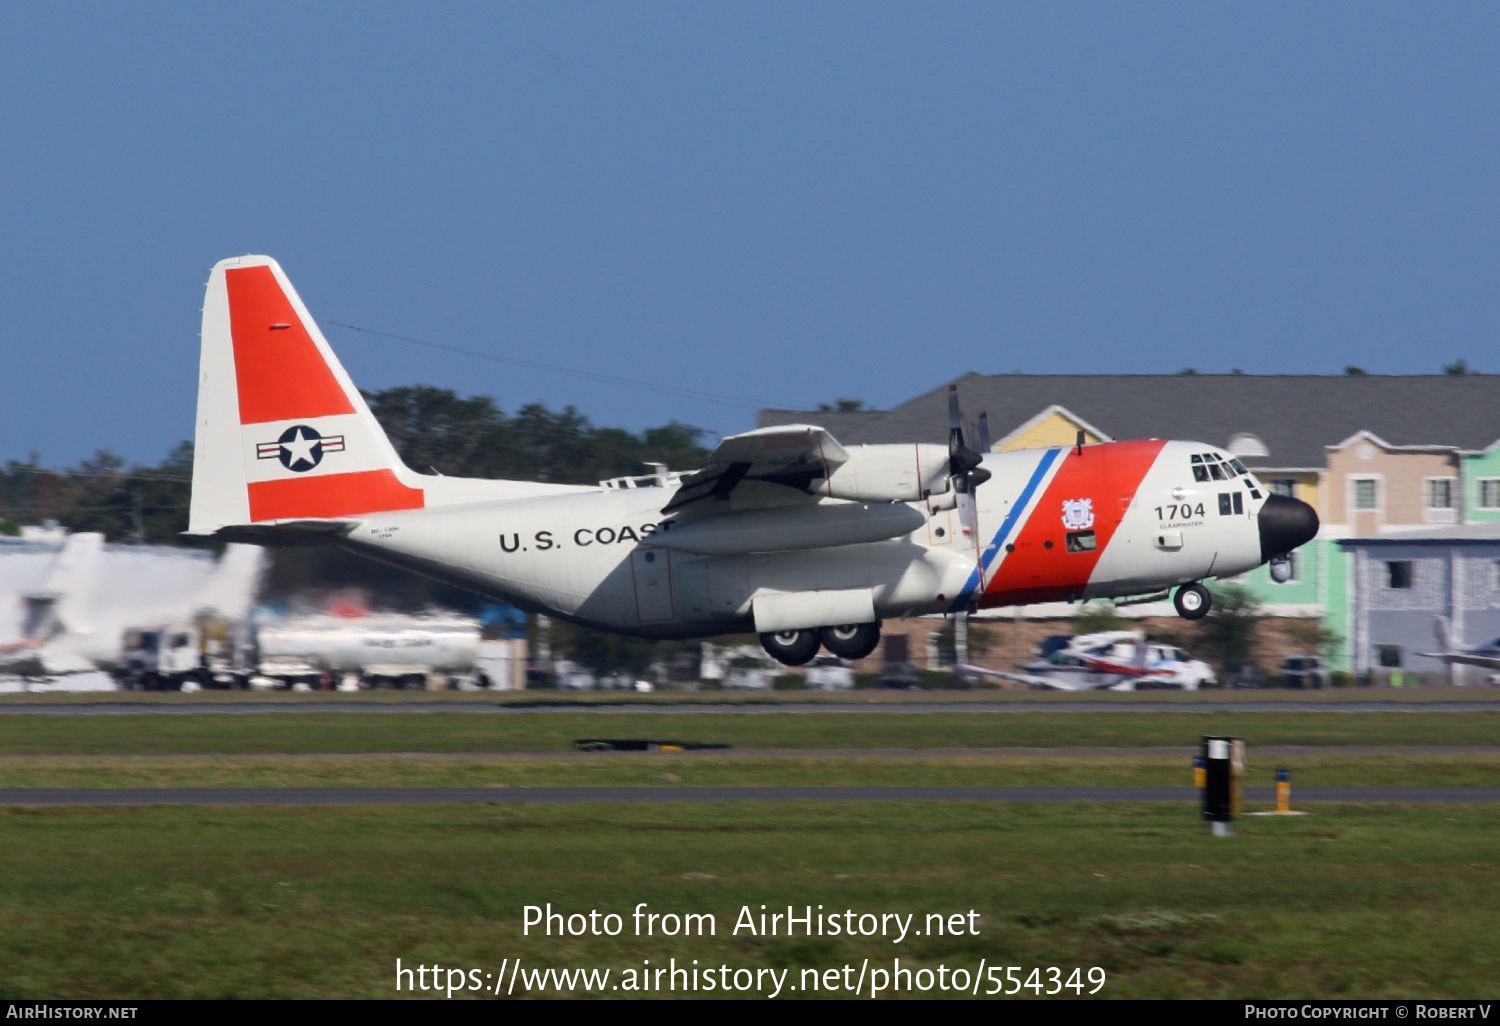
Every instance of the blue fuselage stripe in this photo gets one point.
(987, 554)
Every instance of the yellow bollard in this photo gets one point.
(1283, 796)
(1237, 777)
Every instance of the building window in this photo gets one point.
(1489, 493)
(1388, 655)
(1439, 504)
(1364, 493)
(1440, 493)
(1284, 486)
(1398, 573)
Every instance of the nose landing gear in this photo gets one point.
(1192, 601)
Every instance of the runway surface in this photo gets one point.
(714, 709)
(713, 754)
(699, 795)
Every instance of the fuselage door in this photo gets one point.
(652, 570)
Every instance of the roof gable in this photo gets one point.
(1056, 425)
(1295, 416)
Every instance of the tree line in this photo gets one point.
(434, 429)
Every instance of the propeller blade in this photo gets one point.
(978, 475)
(954, 420)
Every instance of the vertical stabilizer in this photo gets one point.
(61, 602)
(231, 589)
(282, 433)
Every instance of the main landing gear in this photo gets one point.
(847, 641)
(1192, 601)
(790, 648)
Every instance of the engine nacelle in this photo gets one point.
(888, 473)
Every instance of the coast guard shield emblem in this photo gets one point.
(1078, 514)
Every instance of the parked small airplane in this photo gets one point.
(785, 532)
(56, 615)
(1485, 654)
(72, 623)
(1118, 660)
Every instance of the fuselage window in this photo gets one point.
(1081, 541)
(1239, 502)
(1226, 505)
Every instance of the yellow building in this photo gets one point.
(1054, 426)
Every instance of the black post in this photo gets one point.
(1224, 763)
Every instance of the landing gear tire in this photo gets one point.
(851, 640)
(1192, 601)
(790, 648)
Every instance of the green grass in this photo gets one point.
(1323, 768)
(1354, 901)
(548, 697)
(156, 734)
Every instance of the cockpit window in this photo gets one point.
(1210, 465)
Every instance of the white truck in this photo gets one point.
(376, 650)
(187, 655)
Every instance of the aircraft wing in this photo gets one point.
(793, 455)
(1488, 662)
(1041, 683)
(59, 662)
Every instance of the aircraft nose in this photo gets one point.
(1285, 523)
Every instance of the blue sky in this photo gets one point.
(782, 203)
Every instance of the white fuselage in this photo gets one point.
(598, 556)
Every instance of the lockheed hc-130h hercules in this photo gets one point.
(785, 532)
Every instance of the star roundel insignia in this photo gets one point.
(300, 448)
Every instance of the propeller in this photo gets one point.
(963, 462)
(967, 475)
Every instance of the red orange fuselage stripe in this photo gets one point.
(1109, 475)
(280, 373)
(331, 495)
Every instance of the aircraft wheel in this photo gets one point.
(790, 648)
(1192, 601)
(851, 640)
